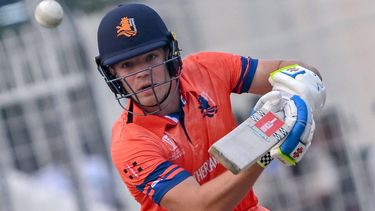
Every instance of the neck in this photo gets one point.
(170, 104)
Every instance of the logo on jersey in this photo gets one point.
(175, 151)
(132, 170)
(207, 106)
(205, 169)
(126, 27)
(154, 183)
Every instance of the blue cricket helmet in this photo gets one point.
(130, 30)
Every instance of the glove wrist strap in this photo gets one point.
(265, 160)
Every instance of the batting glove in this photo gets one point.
(293, 148)
(294, 111)
(297, 80)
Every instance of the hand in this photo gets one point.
(293, 148)
(298, 122)
(297, 80)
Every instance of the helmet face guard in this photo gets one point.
(116, 84)
(132, 30)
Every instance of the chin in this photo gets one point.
(148, 98)
(149, 101)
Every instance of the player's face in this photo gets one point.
(144, 75)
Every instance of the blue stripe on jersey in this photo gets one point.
(165, 185)
(249, 75)
(174, 115)
(160, 185)
(244, 62)
(154, 175)
(156, 184)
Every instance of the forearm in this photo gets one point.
(260, 84)
(221, 193)
(230, 189)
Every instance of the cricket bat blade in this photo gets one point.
(245, 144)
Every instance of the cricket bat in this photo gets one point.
(245, 144)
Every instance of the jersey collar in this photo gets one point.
(155, 123)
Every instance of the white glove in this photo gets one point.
(297, 80)
(298, 122)
(293, 148)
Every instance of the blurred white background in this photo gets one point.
(56, 112)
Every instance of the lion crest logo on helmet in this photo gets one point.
(126, 27)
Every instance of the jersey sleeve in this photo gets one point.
(144, 169)
(235, 71)
(245, 76)
(163, 178)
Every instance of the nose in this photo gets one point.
(144, 72)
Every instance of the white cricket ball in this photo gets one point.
(49, 13)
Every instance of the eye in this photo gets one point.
(127, 65)
(151, 57)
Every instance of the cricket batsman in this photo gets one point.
(175, 109)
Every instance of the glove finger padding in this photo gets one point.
(273, 101)
(267, 100)
(305, 141)
(284, 108)
(291, 150)
(281, 105)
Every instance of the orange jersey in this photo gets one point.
(155, 153)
